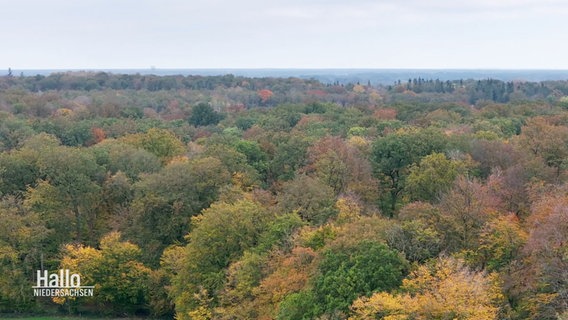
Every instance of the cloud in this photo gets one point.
(281, 32)
(488, 6)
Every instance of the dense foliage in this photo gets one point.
(264, 198)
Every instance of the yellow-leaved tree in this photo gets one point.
(446, 290)
(121, 282)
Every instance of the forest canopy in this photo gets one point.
(228, 197)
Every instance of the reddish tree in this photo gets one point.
(98, 135)
(265, 95)
(385, 114)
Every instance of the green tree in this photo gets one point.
(133, 161)
(349, 272)
(288, 156)
(393, 155)
(19, 169)
(434, 175)
(278, 232)
(256, 157)
(165, 201)
(68, 196)
(297, 306)
(22, 237)
(161, 142)
(13, 131)
(219, 236)
(204, 115)
(243, 276)
(416, 239)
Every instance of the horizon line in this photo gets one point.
(293, 68)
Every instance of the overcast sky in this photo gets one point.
(91, 34)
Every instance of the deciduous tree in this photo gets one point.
(219, 236)
(346, 273)
(313, 200)
(392, 156)
(165, 201)
(122, 282)
(447, 290)
(433, 176)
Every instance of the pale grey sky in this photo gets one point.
(91, 34)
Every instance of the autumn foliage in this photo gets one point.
(265, 95)
(226, 197)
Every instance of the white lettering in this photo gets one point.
(53, 280)
(42, 279)
(75, 280)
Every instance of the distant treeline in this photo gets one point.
(470, 90)
(490, 89)
(88, 81)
